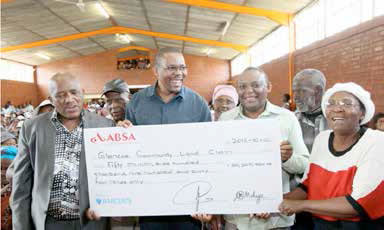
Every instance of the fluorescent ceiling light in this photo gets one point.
(43, 56)
(102, 10)
(123, 38)
(208, 51)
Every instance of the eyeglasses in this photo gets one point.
(174, 68)
(344, 104)
(254, 85)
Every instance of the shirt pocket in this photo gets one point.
(147, 118)
(186, 118)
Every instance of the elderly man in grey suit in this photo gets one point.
(50, 186)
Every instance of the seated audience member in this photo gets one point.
(343, 186)
(45, 106)
(224, 98)
(8, 153)
(378, 121)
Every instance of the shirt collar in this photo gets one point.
(54, 117)
(152, 91)
(269, 109)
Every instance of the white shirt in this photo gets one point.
(296, 164)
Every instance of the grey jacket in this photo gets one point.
(33, 173)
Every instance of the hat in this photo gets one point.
(115, 85)
(20, 118)
(41, 105)
(5, 135)
(226, 90)
(358, 91)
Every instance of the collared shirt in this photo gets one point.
(311, 125)
(64, 196)
(296, 164)
(147, 108)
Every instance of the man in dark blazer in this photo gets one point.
(50, 186)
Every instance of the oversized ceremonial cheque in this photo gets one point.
(231, 167)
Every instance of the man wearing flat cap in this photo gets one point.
(117, 94)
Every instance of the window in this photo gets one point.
(341, 15)
(321, 19)
(239, 64)
(378, 7)
(274, 45)
(325, 18)
(310, 25)
(15, 71)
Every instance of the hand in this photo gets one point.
(285, 151)
(290, 207)
(260, 215)
(124, 124)
(91, 215)
(203, 217)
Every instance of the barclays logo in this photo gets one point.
(113, 201)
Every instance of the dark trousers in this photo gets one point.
(52, 224)
(303, 221)
(169, 223)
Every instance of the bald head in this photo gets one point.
(257, 72)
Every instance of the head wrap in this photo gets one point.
(226, 90)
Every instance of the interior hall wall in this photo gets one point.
(18, 92)
(95, 70)
(356, 54)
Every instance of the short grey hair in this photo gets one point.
(316, 77)
(159, 57)
(55, 79)
(257, 70)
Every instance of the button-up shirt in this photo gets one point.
(296, 164)
(147, 108)
(311, 125)
(64, 196)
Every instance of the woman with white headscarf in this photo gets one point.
(343, 186)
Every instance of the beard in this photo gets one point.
(307, 105)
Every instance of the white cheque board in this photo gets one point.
(231, 167)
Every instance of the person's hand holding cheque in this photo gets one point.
(91, 215)
(124, 124)
(286, 153)
(285, 150)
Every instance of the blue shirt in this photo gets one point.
(147, 108)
